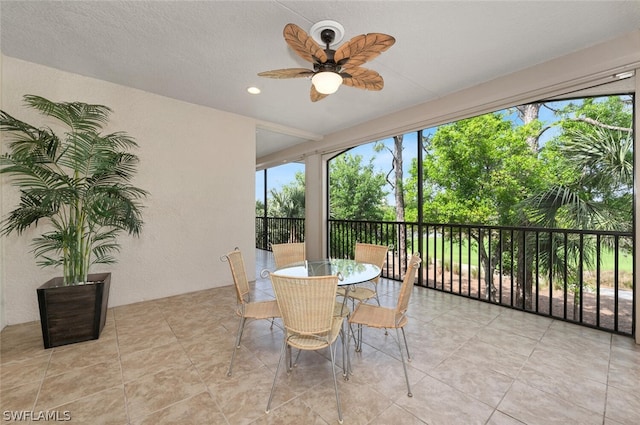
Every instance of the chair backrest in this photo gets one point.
(306, 303)
(407, 285)
(236, 264)
(288, 253)
(372, 254)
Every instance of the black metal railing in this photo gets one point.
(278, 230)
(580, 276)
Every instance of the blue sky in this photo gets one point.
(284, 174)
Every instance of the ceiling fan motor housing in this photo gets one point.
(327, 36)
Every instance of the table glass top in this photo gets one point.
(349, 271)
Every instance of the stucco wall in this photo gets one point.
(198, 165)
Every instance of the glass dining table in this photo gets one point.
(349, 272)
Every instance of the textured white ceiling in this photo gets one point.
(209, 52)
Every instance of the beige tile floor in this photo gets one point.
(165, 361)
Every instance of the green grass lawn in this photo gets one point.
(456, 254)
(452, 254)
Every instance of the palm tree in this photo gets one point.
(600, 198)
(77, 181)
(289, 203)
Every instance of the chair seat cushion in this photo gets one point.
(359, 293)
(341, 309)
(313, 342)
(261, 310)
(376, 317)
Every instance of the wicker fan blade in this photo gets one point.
(316, 95)
(287, 73)
(303, 44)
(362, 78)
(363, 48)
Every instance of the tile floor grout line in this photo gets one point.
(44, 375)
(606, 393)
(124, 387)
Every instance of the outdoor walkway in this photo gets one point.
(165, 362)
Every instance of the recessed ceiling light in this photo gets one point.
(253, 90)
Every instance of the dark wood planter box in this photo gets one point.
(75, 313)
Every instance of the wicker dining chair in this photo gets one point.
(246, 309)
(372, 254)
(307, 306)
(288, 253)
(375, 316)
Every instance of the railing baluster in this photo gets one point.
(460, 260)
(469, 261)
(598, 260)
(537, 259)
(565, 274)
(616, 269)
(581, 276)
(550, 261)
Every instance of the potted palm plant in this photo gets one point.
(76, 182)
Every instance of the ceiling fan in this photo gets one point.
(332, 68)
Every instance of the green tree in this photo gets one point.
(479, 169)
(356, 190)
(476, 172)
(397, 184)
(594, 189)
(529, 116)
(594, 158)
(289, 201)
(259, 208)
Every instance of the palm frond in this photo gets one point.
(604, 155)
(77, 115)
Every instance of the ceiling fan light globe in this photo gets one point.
(327, 82)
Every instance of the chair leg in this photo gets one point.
(346, 361)
(273, 387)
(404, 366)
(237, 344)
(354, 336)
(335, 381)
(405, 344)
(295, 363)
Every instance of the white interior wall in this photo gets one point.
(198, 165)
